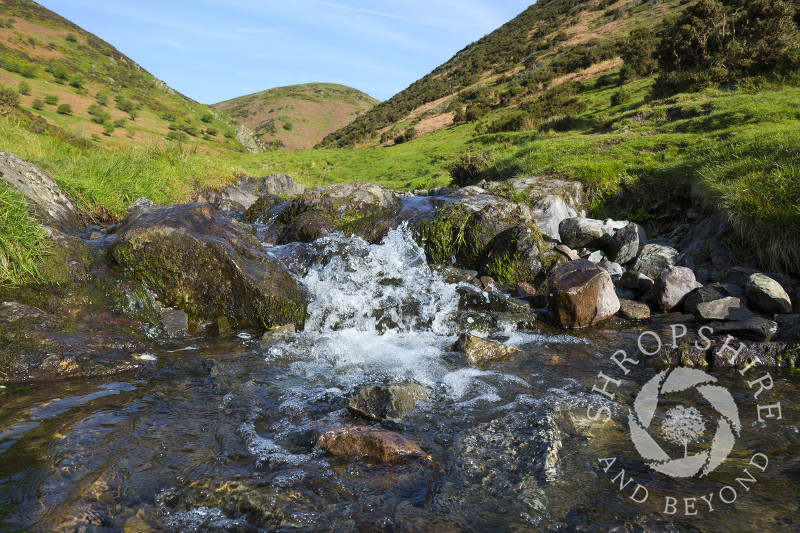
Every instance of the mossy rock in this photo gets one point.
(203, 265)
(67, 259)
(260, 208)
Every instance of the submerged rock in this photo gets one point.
(307, 227)
(203, 265)
(386, 403)
(581, 295)
(369, 444)
(633, 310)
(480, 351)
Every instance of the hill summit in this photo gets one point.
(298, 116)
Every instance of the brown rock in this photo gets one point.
(480, 351)
(581, 294)
(369, 444)
(672, 286)
(633, 310)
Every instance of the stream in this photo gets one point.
(221, 434)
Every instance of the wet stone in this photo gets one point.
(755, 328)
(633, 310)
(369, 444)
(480, 351)
(386, 403)
(767, 294)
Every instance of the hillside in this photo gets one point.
(297, 116)
(62, 80)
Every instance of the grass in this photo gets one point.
(21, 239)
(110, 180)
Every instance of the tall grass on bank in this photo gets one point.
(22, 240)
(112, 179)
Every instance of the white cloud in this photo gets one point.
(173, 43)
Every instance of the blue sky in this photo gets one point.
(213, 50)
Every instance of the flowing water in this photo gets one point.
(220, 435)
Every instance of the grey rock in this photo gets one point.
(234, 198)
(626, 244)
(49, 204)
(672, 286)
(729, 308)
(275, 184)
(703, 250)
(755, 328)
(480, 351)
(596, 257)
(474, 298)
(249, 140)
(307, 227)
(654, 259)
(614, 269)
(788, 328)
(636, 281)
(767, 294)
(175, 322)
(458, 275)
(537, 188)
(568, 252)
(578, 232)
(633, 310)
(581, 294)
(139, 204)
(386, 403)
(549, 212)
(738, 276)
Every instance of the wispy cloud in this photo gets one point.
(173, 43)
(366, 11)
(257, 31)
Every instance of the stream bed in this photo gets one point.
(221, 433)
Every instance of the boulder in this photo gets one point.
(480, 351)
(581, 294)
(537, 188)
(275, 184)
(361, 209)
(202, 264)
(728, 308)
(67, 259)
(767, 294)
(626, 244)
(515, 255)
(49, 204)
(788, 328)
(654, 258)
(386, 403)
(307, 227)
(633, 310)
(369, 444)
(580, 232)
(672, 286)
(234, 198)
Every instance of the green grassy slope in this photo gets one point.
(60, 64)
(298, 116)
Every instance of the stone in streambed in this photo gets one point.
(633, 310)
(672, 286)
(480, 351)
(202, 264)
(626, 244)
(369, 444)
(654, 258)
(767, 294)
(386, 403)
(581, 295)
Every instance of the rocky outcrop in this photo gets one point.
(480, 351)
(249, 140)
(203, 265)
(538, 188)
(369, 444)
(386, 403)
(50, 205)
(276, 184)
(581, 295)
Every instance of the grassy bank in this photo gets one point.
(736, 153)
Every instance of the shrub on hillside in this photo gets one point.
(721, 43)
(37, 104)
(178, 136)
(51, 99)
(77, 80)
(9, 98)
(101, 98)
(24, 87)
(467, 168)
(620, 97)
(207, 118)
(64, 109)
(71, 37)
